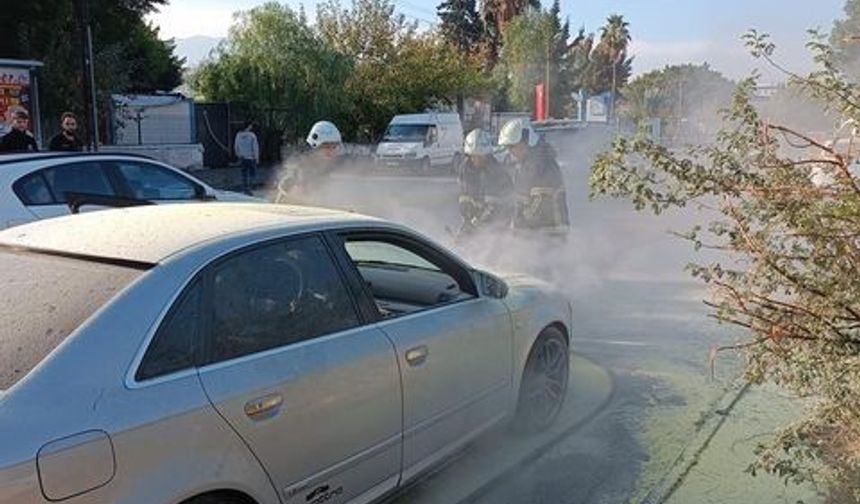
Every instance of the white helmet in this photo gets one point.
(478, 143)
(323, 132)
(513, 131)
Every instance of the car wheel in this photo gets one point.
(219, 498)
(544, 384)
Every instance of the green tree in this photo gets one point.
(274, 62)
(535, 46)
(610, 66)
(461, 25)
(129, 55)
(396, 68)
(845, 39)
(579, 63)
(786, 207)
(496, 15)
(685, 98)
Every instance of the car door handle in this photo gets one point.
(416, 356)
(256, 408)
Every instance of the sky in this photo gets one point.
(664, 31)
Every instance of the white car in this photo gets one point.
(42, 185)
(256, 353)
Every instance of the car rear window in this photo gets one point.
(43, 299)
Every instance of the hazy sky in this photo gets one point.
(664, 31)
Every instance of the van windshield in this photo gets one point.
(44, 299)
(406, 133)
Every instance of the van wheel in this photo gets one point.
(544, 384)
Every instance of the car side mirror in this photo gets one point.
(491, 285)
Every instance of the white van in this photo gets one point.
(422, 140)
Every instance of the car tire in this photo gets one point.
(544, 383)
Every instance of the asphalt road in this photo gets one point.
(638, 318)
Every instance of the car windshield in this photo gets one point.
(45, 298)
(406, 133)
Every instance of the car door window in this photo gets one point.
(33, 190)
(174, 345)
(432, 136)
(147, 181)
(84, 178)
(276, 295)
(403, 277)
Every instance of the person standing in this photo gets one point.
(538, 183)
(19, 139)
(247, 149)
(309, 172)
(67, 139)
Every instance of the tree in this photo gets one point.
(579, 63)
(496, 15)
(461, 25)
(610, 68)
(274, 62)
(685, 98)
(787, 206)
(396, 69)
(128, 53)
(535, 44)
(845, 39)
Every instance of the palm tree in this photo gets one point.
(614, 38)
(615, 34)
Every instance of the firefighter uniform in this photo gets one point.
(541, 197)
(485, 192)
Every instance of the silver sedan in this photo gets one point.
(238, 353)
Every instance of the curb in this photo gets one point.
(689, 455)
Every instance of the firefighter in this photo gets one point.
(541, 198)
(311, 169)
(486, 189)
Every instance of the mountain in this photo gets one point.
(196, 48)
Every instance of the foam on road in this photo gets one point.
(499, 454)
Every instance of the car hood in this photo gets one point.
(397, 147)
(519, 280)
(234, 197)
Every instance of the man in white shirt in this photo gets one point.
(247, 149)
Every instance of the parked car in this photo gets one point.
(42, 185)
(422, 140)
(236, 353)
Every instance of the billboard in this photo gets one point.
(15, 95)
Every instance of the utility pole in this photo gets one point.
(550, 41)
(91, 132)
(615, 60)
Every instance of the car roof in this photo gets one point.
(38, 156)
(426, 118)
(150, 234)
